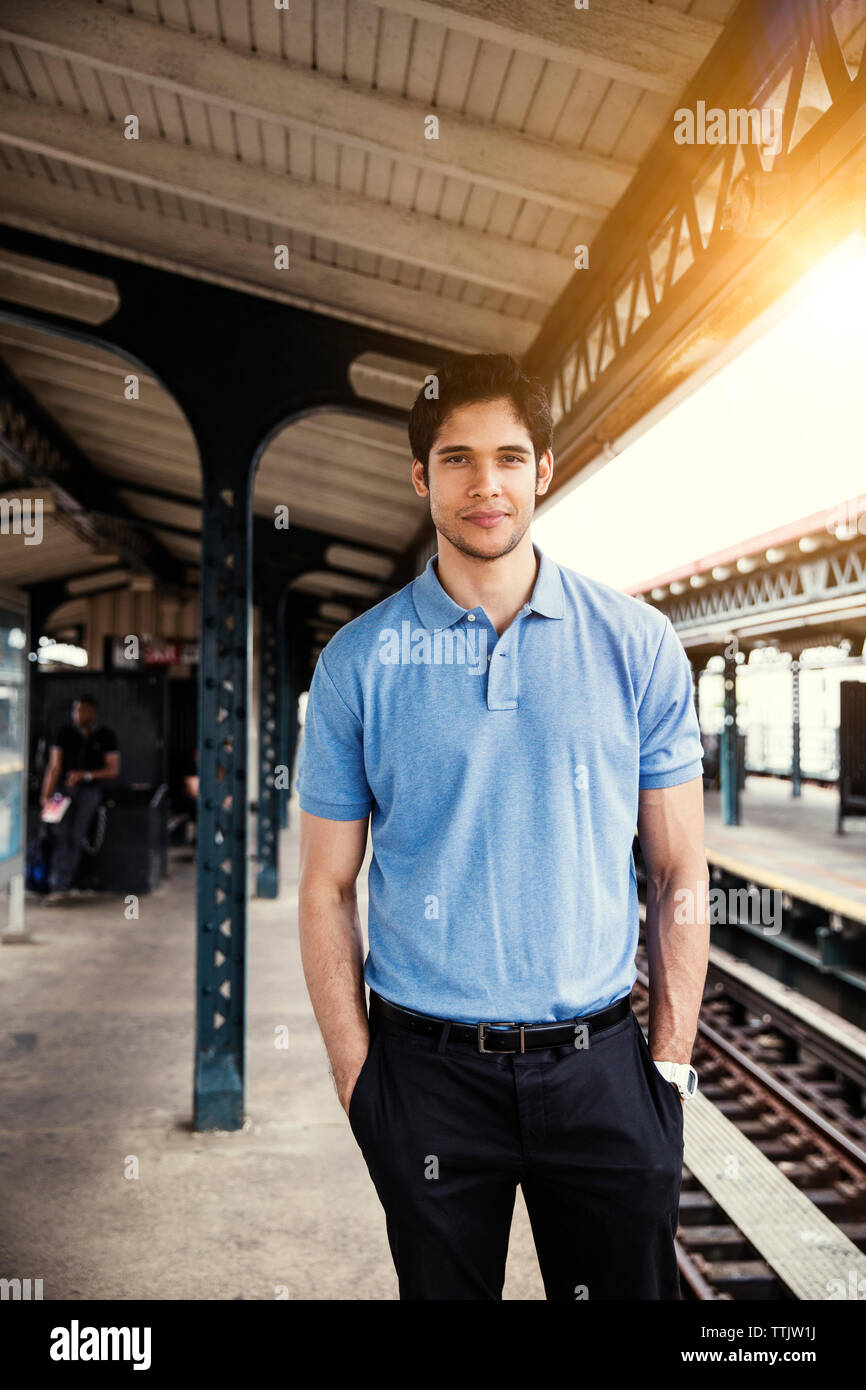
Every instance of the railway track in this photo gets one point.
(800, 1098)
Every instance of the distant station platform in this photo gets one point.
(790, 844)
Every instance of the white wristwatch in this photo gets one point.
(679, 1074)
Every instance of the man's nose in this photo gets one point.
(485, 478)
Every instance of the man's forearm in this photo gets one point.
(49, 782)
(677, 937)
(333, 962)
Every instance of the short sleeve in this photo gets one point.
(110, 741)
(332, 782)
(670, 736)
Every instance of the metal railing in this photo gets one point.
(768, 749)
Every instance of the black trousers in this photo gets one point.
(69, 833)
(594, 1137)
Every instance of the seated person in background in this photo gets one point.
(84, 754)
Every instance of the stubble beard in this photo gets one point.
(452, 534)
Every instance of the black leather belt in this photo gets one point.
(505, 1037)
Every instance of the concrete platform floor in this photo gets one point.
(96, 1083)
(791, 842)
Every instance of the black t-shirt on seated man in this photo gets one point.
(85, 754)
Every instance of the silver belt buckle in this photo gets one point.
(501, 1024)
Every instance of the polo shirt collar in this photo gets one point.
(436, 609)
(548, 597)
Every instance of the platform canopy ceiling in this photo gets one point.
(309, 127)
(428, 168)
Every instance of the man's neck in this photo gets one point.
(500, 587)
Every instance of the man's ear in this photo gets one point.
(418, 479)
(545, 473)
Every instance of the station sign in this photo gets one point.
(135, 652)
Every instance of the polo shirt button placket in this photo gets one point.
(499, 677)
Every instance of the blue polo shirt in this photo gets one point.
(501, 775)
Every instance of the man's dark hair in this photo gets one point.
(86, 700)
(484, 376)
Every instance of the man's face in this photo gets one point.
(83, 714)
(481, 479)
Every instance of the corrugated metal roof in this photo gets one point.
(310, 127)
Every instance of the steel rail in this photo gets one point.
(777, 1088)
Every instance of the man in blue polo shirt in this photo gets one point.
(503, 725)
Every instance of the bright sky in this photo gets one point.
(776, 434)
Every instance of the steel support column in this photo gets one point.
(288, 712)
(272, 678)
(224, 702)
(228, 359)
(293, 731)
(728, 760)
(795, 728)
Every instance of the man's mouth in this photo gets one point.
(486, 519)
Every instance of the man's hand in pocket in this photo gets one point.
(346, 1080)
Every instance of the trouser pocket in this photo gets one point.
(357, 1097)
(666, 1097)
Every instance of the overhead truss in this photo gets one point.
(708, 235)
(816, 580)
